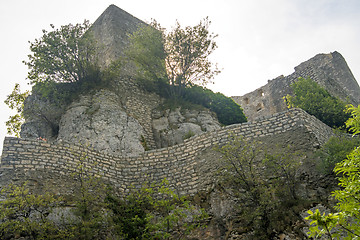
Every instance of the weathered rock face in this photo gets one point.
(119, 122)
(100, 121)
(172, 127)
(42, 118)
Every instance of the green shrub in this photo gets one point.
(24, 214)
(264, 184)
(154, 212)
(227, 111)
(315, 100)
(336, 150)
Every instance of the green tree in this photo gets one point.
(15, 101)
(146, 49)
(347, 217)
(353, 123)
(188, 50)
(67, 54)
(315, 100)
(62, 64)
(181, 57)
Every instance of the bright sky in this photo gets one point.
(258, 39)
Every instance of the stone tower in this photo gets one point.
(329, 70)
(112, 30)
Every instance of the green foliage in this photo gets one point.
(353, 123)
(24, 214)
(322, 224)
(227, 111)
(189, 134)
(263, 182)
(146, 49)
(62, 65)
(144, 143)
(151, 212)
(179, 58)
(335, 150)
(347, 218)
(197, 98)
(90, 206)
(315, 100)
(61, 94)
(15, 101)
(188, 50)
(63, 55)
(154, 212)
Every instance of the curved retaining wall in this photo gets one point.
(177, 163)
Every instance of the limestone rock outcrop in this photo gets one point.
(115, 121)
(171, 127)
(42, 118)
(100, 121)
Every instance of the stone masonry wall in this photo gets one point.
(329, 70)
(179, 164)
(139, 105)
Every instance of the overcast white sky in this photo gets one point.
(258, 39)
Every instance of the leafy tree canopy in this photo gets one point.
(62, 55)
(171, 64)
(15, 101)
(180, 57)
(315, 100)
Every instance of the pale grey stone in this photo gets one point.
(99, 120)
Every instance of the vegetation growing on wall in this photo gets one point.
(315, 100)
(97, 211)
(180, 57)
(171, 64)
(336, 150)
(155, 212)
(227, 111)
(63, 64)
(264, 184)
(15, 101)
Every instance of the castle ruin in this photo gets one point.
(328, 70)
(116, 120)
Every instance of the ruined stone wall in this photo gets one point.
(180, 164)
(139, 105)
(328, 70)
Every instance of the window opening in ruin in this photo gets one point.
(246, 100)
(259, 107)
(261, 93)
